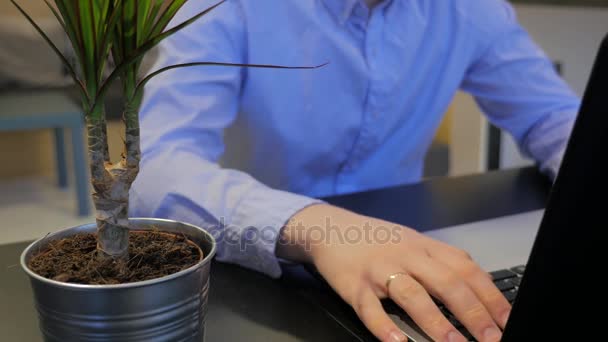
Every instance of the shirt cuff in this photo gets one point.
(549, 141)
(551, 166)
(250, 239)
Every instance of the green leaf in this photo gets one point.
(129, 25)
(86, 19)
(142, 83)
(143, 9)
(115, 13)
(151, 21)
(139, 53)
(166, 17)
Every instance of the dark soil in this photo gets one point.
(151, 255)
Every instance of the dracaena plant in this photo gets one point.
(123, 30)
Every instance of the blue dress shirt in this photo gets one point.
(363, 121)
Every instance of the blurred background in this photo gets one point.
(43, 176)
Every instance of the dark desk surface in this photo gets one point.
(245, 305)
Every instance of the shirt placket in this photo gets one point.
(368, 136)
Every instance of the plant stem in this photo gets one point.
(106, 150)
(131, 119)
(132, 140)
(98, 145)
(111, 191)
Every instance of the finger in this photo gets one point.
(371, 312)
(483, 286)
(414, 299)
(479, 280)
(446, 285)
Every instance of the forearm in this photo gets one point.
(243, 214)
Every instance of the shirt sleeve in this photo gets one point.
(183, 115)
(518, 88)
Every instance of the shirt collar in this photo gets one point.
(341, 9)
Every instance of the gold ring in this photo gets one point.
(392, 277)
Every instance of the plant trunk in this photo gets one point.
(132, 142)
(111, 184)
(112, 206)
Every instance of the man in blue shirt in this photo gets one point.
(363, 121)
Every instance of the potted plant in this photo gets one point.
(119, 279)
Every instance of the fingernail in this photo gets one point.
(453, 337)
(491, 334)
(397, 336)
(505, 317)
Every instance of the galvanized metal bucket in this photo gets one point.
(172, 308)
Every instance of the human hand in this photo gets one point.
(358, 267)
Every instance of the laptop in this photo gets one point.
(548, 263)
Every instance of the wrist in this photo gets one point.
(294, 242)
(307, 233)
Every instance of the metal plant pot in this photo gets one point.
(171, 308)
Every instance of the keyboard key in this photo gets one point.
(504, 285)
(445, 311)
(437, 301)
(515, 281)
(456, 323)
(502, 274)
(519, 269)
(510, 295)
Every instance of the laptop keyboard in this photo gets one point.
(507, 281)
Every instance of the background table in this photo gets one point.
(52, 109)
(247, 306)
